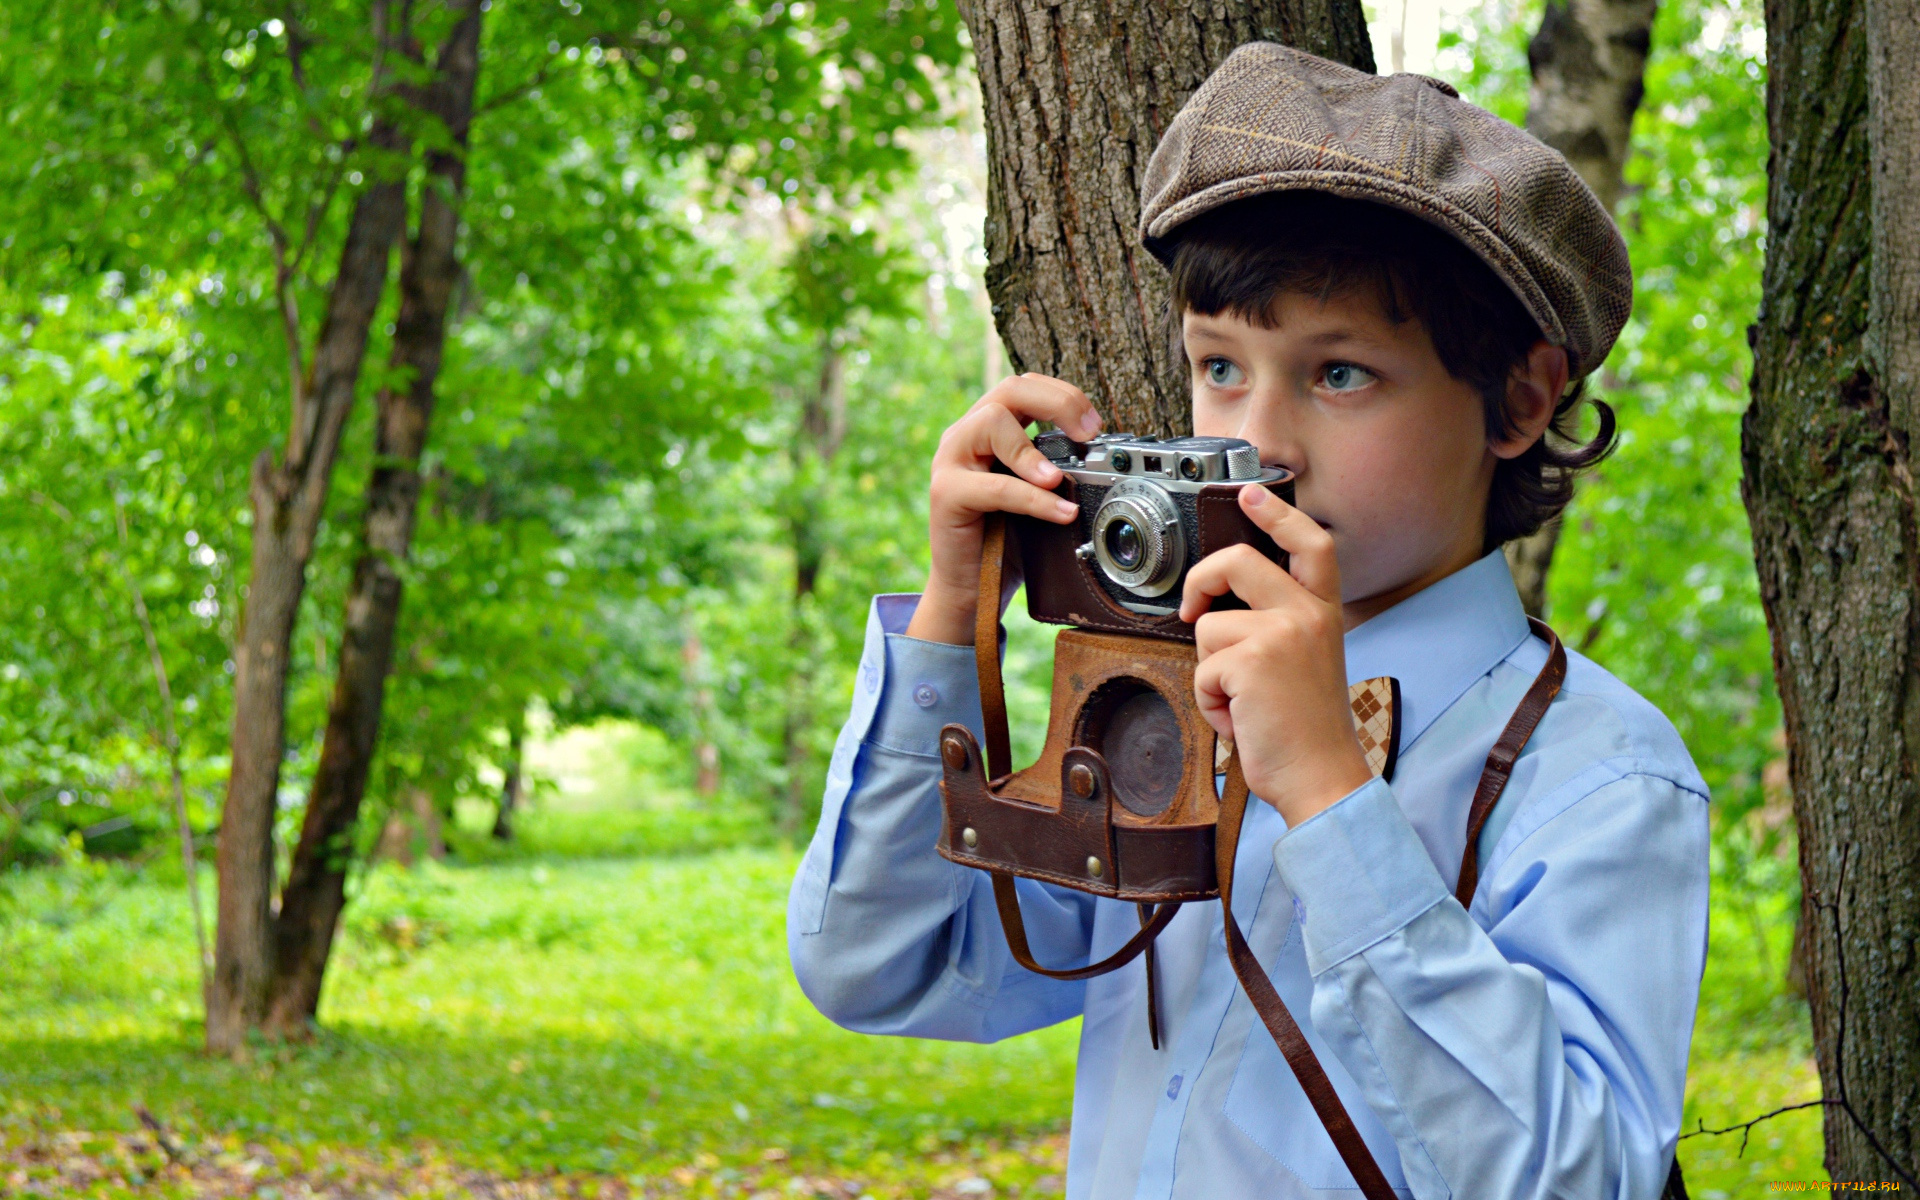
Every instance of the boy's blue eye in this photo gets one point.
(1345, 377)
(1222, 373)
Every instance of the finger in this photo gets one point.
(1006, 440)
(1032, 397)
(971, 494)
(1218, 631)
(1312, 558)
(1211, 694)
(1239, 569)
(992, 433)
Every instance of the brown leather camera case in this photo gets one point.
(1062, 819)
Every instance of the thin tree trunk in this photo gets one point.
(1076, 96)
(1829, 491)
(706, 752)
(823, 426)
(515, 778)
(316, 884)
(1589, 63)
(287, 496)
(161, 684)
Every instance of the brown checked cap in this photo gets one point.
(1275, 119)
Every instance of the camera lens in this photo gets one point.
(1121, 461)
(1137, 538)
(1189, 467)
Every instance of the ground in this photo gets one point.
(544, 1023)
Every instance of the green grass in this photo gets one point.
(630, 1015)
(611, 1016)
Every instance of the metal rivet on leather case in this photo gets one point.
(954, 751)
(1095, 867)
(970, 837)
(1080, 779)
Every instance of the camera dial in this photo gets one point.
(1137, 539)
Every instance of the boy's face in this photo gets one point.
(1390, 451)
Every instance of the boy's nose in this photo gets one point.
(1266, 426)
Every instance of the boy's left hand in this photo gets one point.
(1273, 676)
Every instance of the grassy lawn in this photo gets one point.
(625, 1021)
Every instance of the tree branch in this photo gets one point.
(283, 269)
(1840, 1099)
(518, 91)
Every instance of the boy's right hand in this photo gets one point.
(965, 488)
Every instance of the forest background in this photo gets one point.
(693, 380)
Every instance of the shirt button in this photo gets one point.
(926, 696)
(1173, 1088)
(1299, 911)
(869, 675)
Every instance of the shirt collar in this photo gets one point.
(1441, 639)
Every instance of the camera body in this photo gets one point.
(1150, 508)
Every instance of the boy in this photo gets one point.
(1387, 291)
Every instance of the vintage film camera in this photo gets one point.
(1122, 801)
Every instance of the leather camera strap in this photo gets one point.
(1273, 1011)
(1506, 751)
(1008, 902)
(986, 649)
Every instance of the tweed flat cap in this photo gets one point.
(1274, 119)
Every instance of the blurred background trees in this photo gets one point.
(720, 285)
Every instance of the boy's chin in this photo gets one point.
(1374, 582)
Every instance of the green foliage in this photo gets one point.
(160, 229)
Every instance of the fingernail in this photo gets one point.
(1256, 496)
(1089, 425)
(1066, 508)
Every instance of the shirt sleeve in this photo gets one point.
(1537, 1047)
(886, 936)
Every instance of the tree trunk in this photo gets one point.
(1829, 492)
(515, 779)
(287, 498)
(706, 752)
(823, 426)
(1076, 96)
(316, 884)
(1589, 62)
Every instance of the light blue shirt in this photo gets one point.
(1533, 1046)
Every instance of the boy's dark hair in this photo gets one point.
(1242, 257)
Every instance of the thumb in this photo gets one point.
(1309, 547)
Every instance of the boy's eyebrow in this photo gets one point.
(1328, 337)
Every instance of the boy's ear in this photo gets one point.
(1533, 390)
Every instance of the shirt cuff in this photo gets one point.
(1358, 873)
(926, 685)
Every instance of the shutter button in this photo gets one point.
(925, 696)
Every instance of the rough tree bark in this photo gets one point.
(287, 496)
(1076, 96)
(1588, 61)
(1829, 490)
(316, 884)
